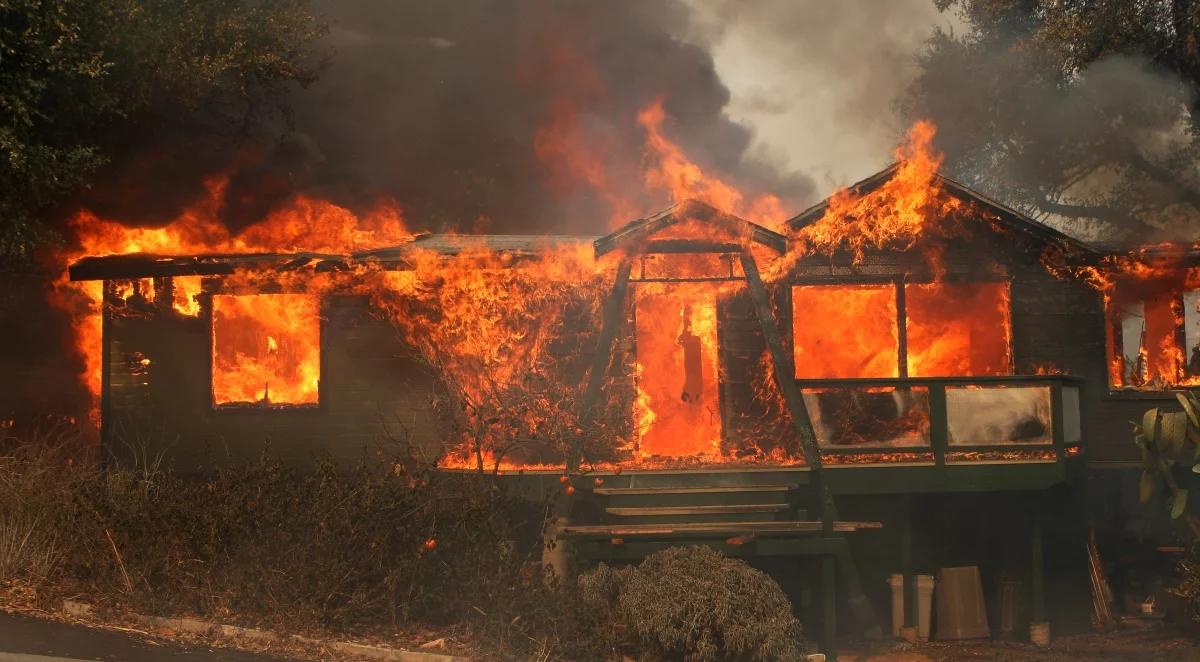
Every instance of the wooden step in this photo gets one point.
(710, 529)
(695, 495)
(658, 511)
(629, 491)
(660, 514)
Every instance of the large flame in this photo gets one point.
(1151, 313)
(511, 339)
(305, 225)
(266, 349)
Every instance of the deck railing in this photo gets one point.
(946, 420)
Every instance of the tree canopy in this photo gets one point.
(78, 76)
(1080, 112)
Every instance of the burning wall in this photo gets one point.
(509, 331)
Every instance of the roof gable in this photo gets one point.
(1007, 216)
(637, 233)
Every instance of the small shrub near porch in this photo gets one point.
(694, 604)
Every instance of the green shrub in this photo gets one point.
(694, 604)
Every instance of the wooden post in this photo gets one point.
(614, 308)
(862, 612)
(106, 339)
(911, 602)
(939, 423)
(901, 327)
(1038, 570)
(829, 606)
(791, 394)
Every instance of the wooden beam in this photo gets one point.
(787, 385)
(829, 607)
(614, 308)
(901, 326)
(690, 246)
(782, 527)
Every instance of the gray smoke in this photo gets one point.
(818, 80)
(1105, 153)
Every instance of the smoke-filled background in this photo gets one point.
(503, 116)
(522, 115)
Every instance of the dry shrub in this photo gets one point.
(694, 604)
(338, 548)
(38, 480)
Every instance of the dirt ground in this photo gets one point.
(1167, 645)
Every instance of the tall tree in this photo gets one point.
(1079, 112)
(79, 77)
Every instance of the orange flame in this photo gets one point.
(502, 332)
(676, 174)
(305, 225)
(266, 349)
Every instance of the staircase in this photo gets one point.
(673, 509)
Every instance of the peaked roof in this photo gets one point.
(1009, 216)
(637, 231)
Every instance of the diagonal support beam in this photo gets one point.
(860, 606)
(787, 386)
(613, 316)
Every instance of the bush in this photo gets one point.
(694, 604)
(1189, 583)
(349, 549)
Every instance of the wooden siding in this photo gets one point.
(371, 393)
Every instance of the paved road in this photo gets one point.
(25, 639)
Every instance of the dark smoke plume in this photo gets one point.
(438, 107)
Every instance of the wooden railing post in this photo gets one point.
(939, 424)
(1056, 419)
(614, 308)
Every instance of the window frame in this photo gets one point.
(211, 287)
(1114, 350)
(898, 283)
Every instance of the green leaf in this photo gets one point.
(1196, 468)
(1150, 428)
(1173, 434)
(1188, 408)
(1147, 486)
(1179, 503)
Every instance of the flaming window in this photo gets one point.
(845, 331)
(854, 330)
(958, 329)
(1154, 339)
(677, 411)
(265, 349)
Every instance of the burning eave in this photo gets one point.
(636, 234)
(142, 265)
(1008, 217)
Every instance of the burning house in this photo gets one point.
(906, 346)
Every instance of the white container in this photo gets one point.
(924, 605)
(897, 583)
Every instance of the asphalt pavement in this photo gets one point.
(24, 639)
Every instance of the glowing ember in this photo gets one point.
(266, 349)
